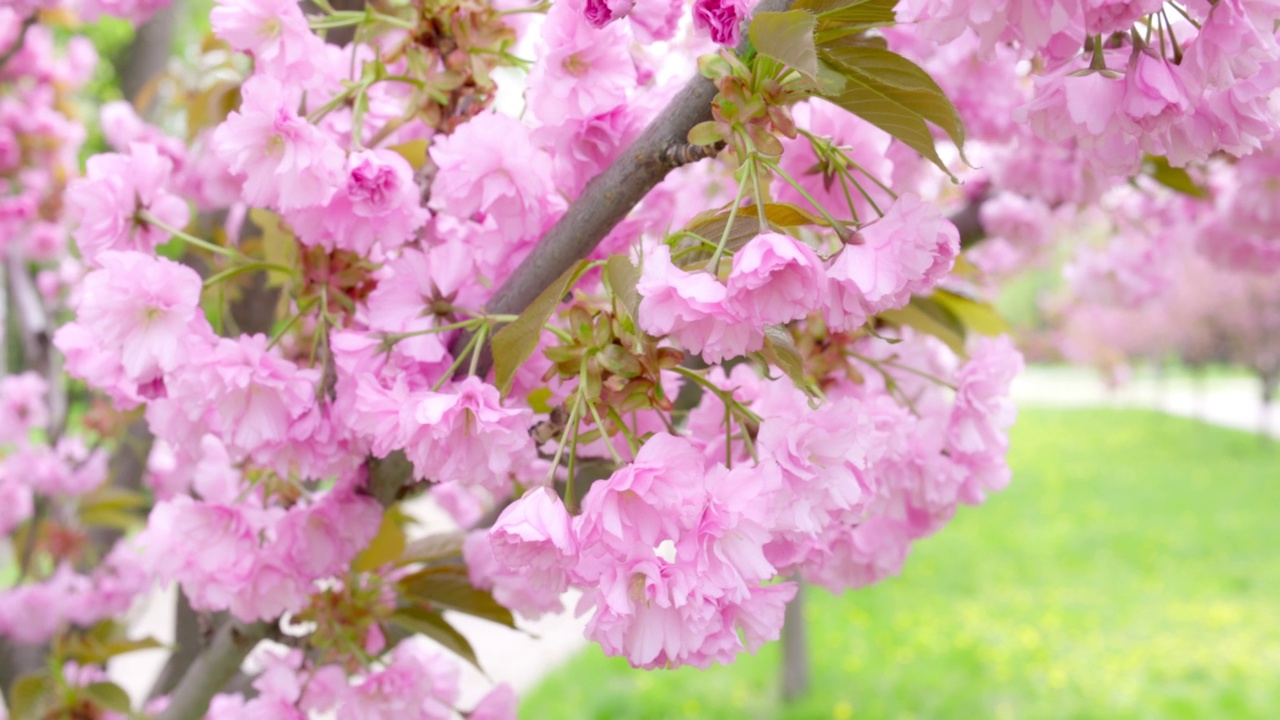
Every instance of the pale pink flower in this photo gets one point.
(22, 406)
(286, 162)
(909, 250)
(108, 202)
(321, 539)
(465, 434)
(511, 588)
(690, 308)
(1155, 95)
(532, 537)
(582, 71)
(775, 279)
(138, 318)
(379, 203)
(274, 32)
(210, 549)
(498, 704)
(489, 169)
(246, 395)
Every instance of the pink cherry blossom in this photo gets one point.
(775, 279)
(721, 19)
(274, 32)
(110, 201)
(690, 307)
(582, 71)
(23, 406)
(286, 162)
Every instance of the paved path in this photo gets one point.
(524, 658)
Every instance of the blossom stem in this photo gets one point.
(247, 267)
(726, 396)
(728, 229)
(475, 353)
(555, 461)
(303, 309)
(632, 440)
(192, 239)
(457, 362)
(836, 225)
(755, 181)
(397, 337)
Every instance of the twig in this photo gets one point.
(17, 42)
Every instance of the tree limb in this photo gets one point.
(607, 198)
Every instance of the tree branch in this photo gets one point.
(608, 197)
(213, 668)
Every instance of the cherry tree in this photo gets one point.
(668, 304)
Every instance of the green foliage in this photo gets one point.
(788, 38)
(514, 343)
(1124, 574)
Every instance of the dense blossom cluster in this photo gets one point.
(289, 303)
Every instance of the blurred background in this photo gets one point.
(1129, 571)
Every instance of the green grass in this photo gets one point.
(1132, 570)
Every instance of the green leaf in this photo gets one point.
(279, 247)
(859, 14)
(931, 318)
(1175, 179)
(109, 696)
(514, 343)
(28, 695)
(780, 350)
(788, 38)
(894, 94)
(824, 8)
(108, 517)
(975, 315)
(449, 587)
(705, 133)
(432, 624)
(622, 275)
(414, 151)
(433, 547)
(783, 214)
(386, 547)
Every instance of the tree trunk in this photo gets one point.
(795, 649)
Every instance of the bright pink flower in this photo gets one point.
(22, 406)
(581, 148)
(109, 200)
(602, 12)
(983, 413)
(274, 32)
(122, 128)
(775, 279)
(465, 434)
(286, 162)
(721, 19)
(582, 71)
(690, 308)
(1108, 16)
(380, 203)
(1233, 45)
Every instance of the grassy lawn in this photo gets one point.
(1132, 570)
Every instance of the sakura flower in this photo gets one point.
(137, 318)
(1154, 93)
(490, 169)
(274, 32)
(378, 204)
(22, 406)
(691, 309)
(532, 537)
(721, 19)
(602, 12)
(286, 162)
(210, 549)
(110, 201)
(909, 250)
(582, 71)
(510, 586)
(464, 434)
(775, 279)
